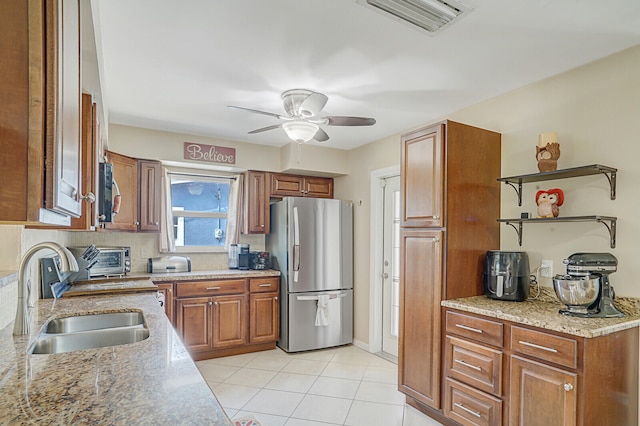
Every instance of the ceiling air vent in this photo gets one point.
(429, 15)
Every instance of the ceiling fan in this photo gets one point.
(302, 122)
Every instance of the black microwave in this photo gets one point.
(105, 193)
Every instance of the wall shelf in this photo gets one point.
(608, 221)
(593, 169)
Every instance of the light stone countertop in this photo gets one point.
(213, 274)
(150, 382)
(543, 313)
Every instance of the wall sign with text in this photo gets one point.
(209, 153)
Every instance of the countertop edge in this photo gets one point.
(543, 314)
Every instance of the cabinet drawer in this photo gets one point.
(547, 347)
(258, 285)
(209, 288)
(469, 406)
(472, 327)
(474, 365)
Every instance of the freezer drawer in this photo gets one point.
(298, 331)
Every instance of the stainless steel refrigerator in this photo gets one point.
(311, 243)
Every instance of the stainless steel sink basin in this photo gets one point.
(93, 322)
(68, 342)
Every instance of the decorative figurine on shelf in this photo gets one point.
(548, 151)
(548, 202)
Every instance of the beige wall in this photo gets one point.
(595, 109)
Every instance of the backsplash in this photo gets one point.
(8, 297)
(143, 246)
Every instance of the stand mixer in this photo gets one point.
(586, 289)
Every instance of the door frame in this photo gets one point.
(376, 255)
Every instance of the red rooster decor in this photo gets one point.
(548, 202)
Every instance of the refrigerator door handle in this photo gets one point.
(331, 296)
(296, 244)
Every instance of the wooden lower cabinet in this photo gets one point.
(497, 372)
(264, 322)
(226, 317)
(166, 289)
(535, 385)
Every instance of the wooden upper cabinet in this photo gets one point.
(138, 183)
(149, 173)
(125, 182)
(256, 214)
(422, 177)
(40, 111)
(63, 107)
(285, 185)
(90, 158)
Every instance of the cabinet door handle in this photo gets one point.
(462, 407)
(568, 387)
(213, 288)
(464, 327)
(275, 298)
(264, 285)
(210, 303)
(475, 367)
(533, 345)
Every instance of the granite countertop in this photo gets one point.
(110, 287)
(543, 313)
(213, 274)
(150, 382)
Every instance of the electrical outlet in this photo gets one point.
(546, 268)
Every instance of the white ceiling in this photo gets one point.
(175, 65)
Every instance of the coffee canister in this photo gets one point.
(233, 256)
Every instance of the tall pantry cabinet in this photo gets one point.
(450, 203)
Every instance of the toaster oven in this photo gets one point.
(109, 261)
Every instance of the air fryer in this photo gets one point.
(506, 275)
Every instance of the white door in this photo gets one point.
(391, 263)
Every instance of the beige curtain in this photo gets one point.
(167, 243)
(235, 212)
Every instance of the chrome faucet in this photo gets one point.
(23, 313)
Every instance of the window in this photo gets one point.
(199, 206)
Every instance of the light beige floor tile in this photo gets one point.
(265, 419)
(251, 377)
(235, 360)
(338, 388)
(381, 375)
(322, 409)
(231, 413)
(273, 363)
(303, 366)
(234, 396)
(274, 402)
(319, 355)
(354, 355)
(344, 371)
(291, 382)
(413, 417)
(300, 422)
(381, 362)
(374, 414)
(379, 392)
(216, 373)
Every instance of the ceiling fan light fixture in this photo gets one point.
(429, 15)
(300, 131)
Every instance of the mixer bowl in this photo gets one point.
(575, 292)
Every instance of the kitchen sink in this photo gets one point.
(77, 341)
(74, 324)
(75, 333)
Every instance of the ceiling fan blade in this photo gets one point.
(321, 136)
(313, 104)
(264, 129)
(270, 114)
(337, 120)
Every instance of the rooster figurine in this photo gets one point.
(548, 202)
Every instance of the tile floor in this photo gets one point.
(338, 386)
